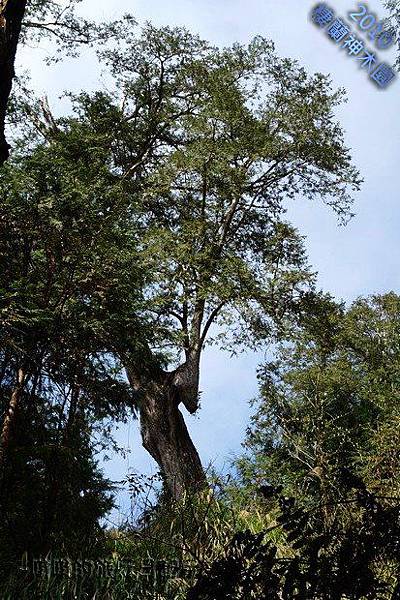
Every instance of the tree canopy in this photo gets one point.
(205, 147)
(329, 403)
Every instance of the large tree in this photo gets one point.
(207, 146)
(237, 133)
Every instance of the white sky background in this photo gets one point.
(359, 259)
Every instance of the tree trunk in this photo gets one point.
(164, 432)
(166, 437)
(11, 15)
(10, 417)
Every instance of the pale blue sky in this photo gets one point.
(357, 260)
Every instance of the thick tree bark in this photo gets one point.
(166, 437)
(163, 429)
(11, 15)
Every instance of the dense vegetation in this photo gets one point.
(147, 222)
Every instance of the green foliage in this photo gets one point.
(168, 196)
(359, 561)
(53, 492)
(128, 230)
(208, 145)
(330, 401)
(323, 449)
(69, 283)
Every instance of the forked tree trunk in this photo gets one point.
(164, 432)
(166, 437)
